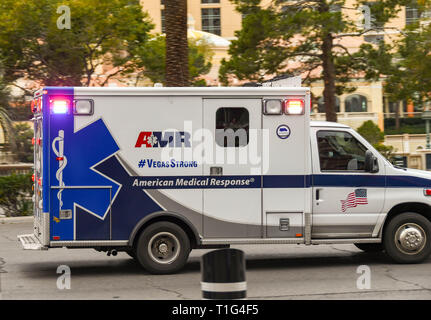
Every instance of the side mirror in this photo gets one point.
(371, 164)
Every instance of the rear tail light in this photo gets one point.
(427, 192)
(39, 104)
(36, 105)
(35, 141)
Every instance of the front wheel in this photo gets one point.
(163, 248)
(407, 238)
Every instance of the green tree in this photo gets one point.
(15, 194)
(101, 32)
(153, 60)
(405, 64)
(372, 133)
(177, 62)
(23, 149)
(5, 120)
(306, 31)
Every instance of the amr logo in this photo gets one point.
(158, 139)
(62, 162)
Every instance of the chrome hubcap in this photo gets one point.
(164, 247)
(410, 238)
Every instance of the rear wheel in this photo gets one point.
(407, 238)
(131, 252)
(163, 248)
(370, 247)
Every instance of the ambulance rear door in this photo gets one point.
(286, 166)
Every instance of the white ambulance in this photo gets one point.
(157, 172)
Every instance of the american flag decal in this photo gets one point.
(354, 199)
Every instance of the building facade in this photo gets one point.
(365, 103)
(368, 102)
(214, 16)
(410, 150)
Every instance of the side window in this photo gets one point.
(232, 126)
(339, 150)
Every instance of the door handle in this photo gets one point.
(216, 171)
(318, 195)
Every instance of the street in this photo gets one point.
(273, 272)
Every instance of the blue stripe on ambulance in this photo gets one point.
(370, 181)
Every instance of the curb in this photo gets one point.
(9, 220)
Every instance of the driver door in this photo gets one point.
(346, 200)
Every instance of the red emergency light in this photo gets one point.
(294, 106)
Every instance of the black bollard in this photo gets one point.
(223, 274)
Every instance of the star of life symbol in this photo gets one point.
(62, 162)
(152, 140)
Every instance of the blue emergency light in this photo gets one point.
(59, 106)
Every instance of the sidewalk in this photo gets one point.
(8, 220)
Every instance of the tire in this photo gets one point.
(370, 247)
(407, 238)
(131, 253)
(163, 248)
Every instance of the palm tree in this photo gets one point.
(6, 124)
(177, 63)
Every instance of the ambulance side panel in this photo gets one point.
(135, 165)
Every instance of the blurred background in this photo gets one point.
(368, 63)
